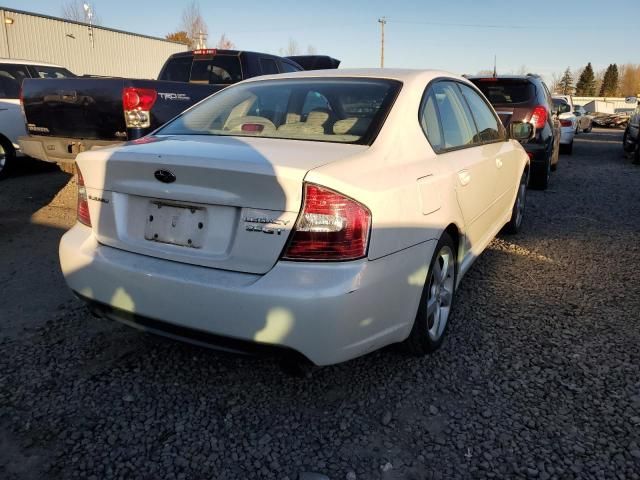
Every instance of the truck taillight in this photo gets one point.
(539, 117)
(205, 51)
(331, 227)
(137, 104)
(83, 201)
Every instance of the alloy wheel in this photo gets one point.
(440, 296)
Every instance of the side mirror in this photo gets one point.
(521, 131)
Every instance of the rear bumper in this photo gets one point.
(566, 135)
(58, 149)
(328, 312)
(537, 152)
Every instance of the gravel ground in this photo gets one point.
(539, 376)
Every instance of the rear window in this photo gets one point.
(506, 92)
(213, 69)
(11, 77)
(326, 110)
(50, 72)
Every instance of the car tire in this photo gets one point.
(68, 167)
(627, 147)
(540, 175)
(436, 301)
(7, 158)
(517, 213)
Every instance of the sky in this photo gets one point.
(460, 36)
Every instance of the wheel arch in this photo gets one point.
(7, 144)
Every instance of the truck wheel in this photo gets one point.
(68, 167)
(7, 158)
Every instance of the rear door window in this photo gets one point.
(430, 122)
(287, 67)
(488, 125)
(11, 77)
(268, 66)
(458, 127)
(506, 92)
(39, 71)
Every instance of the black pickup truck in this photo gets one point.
(68, 116)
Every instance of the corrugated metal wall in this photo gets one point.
(33, 37)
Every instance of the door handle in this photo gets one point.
(465, 177)
(498, 163)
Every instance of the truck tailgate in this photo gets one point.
(92, 108)
(75, 107)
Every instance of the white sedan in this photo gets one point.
(568, 125)
(326, 213)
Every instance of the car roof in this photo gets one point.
(20, 61)
(401, 74)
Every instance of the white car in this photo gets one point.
(12, 122)
(584, 120)
(328, 213)
(568, 124)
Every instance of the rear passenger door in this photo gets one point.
(455, 142)
(492, 136)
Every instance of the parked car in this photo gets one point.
(12, 73)
(325, 213)
(585, 123)
(526, 98)
(631, 137)
(66, 117)
(568, 124)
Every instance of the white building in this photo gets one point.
(82, 48)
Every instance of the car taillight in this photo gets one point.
(137, 103)
(331, 227)
(566, 123)
(539, 117)
(83, 203)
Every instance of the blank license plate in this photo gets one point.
(175, 224)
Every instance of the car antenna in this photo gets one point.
(495, 72)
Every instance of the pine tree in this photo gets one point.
(613, 87)
(566, 82)
(606, 82)
(586, 86)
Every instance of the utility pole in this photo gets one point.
(88, 15)
(382, 21)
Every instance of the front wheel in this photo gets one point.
(436, 301)
(517, 213)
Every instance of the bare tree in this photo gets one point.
(224, 43)
(311, 50)
(193, 23)
(485, 72)
(292, 48)
(523, 70)
(556, 79)
(75, 11)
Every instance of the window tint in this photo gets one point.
(218, 69)
(506, 91)
(288, 67)
(268, 66)
(488, 127)
(11, 77)
(458, 128)
(51, 72)
(430, 122)
(177, 69)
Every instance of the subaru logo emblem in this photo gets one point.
(164, 176)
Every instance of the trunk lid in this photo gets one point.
(230, 202)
